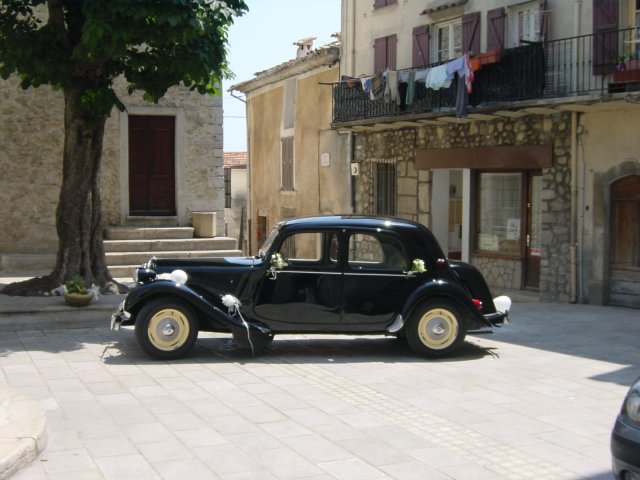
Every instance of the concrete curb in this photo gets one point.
(23, 432)
(46, 313)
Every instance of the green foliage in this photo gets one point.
(87, 44)
(76, 284)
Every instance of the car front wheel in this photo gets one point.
(166, 329)
(435, 329)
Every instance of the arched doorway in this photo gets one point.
(624, 258)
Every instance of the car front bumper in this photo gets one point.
(625, 450)
(119, 317)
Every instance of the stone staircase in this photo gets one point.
(129, 247)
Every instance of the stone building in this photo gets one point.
(298, 165)
(160, 164)
(235, 195)
(532, 173)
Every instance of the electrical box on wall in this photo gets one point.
(355, 169)
(325, 159)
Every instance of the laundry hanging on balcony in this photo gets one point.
(386, 85)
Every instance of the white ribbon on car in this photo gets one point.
(233, 305)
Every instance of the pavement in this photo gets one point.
(536, 400)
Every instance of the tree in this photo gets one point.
(80, 47)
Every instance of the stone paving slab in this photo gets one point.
(537, 400)
(23, 433)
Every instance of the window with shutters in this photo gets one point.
(448, 40)
(383, 3)
(287, 163)
(384, 53)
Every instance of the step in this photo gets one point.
(138, 258)
(160, 245)
(147, 233)
(152, 221)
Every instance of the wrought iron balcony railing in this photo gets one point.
(571, 67)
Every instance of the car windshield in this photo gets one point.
(266, 246)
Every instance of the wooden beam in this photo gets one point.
(511, 113)
(481, 116)
(454, 120)
(541, 110)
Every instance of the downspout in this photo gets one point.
(248, 219)
(353, 38)
(573, 242)
(574, 209)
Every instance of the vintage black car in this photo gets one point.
(348, 274)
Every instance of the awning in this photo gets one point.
(438, 5)
(521, 157)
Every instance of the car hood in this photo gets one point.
(221, 262)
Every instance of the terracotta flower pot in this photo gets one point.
(77, 299)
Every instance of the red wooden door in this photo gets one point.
(152, 165)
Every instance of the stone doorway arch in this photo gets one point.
(624, 256)
(615, 271)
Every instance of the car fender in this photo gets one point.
(144, 293)
(443, 289)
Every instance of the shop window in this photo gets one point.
(499, 213)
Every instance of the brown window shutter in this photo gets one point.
(421, 46)
(471, 33)
(392, 47)
(379, 54)
(544, 20)
(605, 38)
(287, 163)
(495, 29)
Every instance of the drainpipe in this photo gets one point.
(248, 209)
(574, 209)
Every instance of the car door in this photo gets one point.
(305, 292)
(376, 284)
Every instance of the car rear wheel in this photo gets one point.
(435, 329)
(166, 329)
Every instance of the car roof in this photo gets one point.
(373, 221)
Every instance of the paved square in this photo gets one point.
(537, 400)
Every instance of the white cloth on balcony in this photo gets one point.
(438, 78)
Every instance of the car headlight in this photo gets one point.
(142, 275)
(631, 406)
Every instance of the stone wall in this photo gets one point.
(414, 186)
(31, 141)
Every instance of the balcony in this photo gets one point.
(580, 69)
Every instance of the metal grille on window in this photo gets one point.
(385, 193)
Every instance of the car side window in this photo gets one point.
(318, 248)
(376, 252)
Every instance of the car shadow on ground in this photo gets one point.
(212, 348)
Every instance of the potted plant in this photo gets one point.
(76, 293)
(627, 69)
